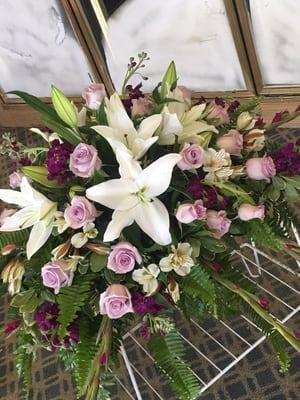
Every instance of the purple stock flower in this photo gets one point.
(145, 304)
(46, 317)
(57, 161)
(73, 335)
(25, 161)
(207, 194)
(220, 102)
(279, 116)
(259, 123)
(133, 93)
(233, 106)
(287, 159)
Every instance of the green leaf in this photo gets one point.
(169, 80)
(26, 301)
(231, 189)
(39, 174)
(213, 245)
(101, 114)
(37, 104)
(98, 262)
(272, 192)
(64, 132)
(293, 180)
(291, 194)
(64, 107)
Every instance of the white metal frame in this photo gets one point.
(253, 270)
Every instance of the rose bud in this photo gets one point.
(246, 212)
(192, 157)
(140, 106)
(217, 112)
(123, 258)
(115, 301)
(218, 221)
(261, 168)
(93, 95)
(84, 160)
(231, 142)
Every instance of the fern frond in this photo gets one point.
(278, 345)
(71, 300)
(85, 353)
(198, 283)
(17, 237)
(263, 234)
(168, 352)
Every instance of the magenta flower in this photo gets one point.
(57, 161)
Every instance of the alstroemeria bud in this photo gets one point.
(245, 121)
(99, 249)
(264, 302)
(8, 249)
(61, 250)
(254, 140)
(12, 274)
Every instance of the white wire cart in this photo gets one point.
(216, 346)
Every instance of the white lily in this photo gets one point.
(134, 197)
(186, 125)
(36, 211)
(121, 133)
(147, 277)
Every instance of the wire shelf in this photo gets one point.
(229, 342)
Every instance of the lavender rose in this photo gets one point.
(123, 257)
(15, 179)
(217, 221)
(115, 301)
(84, 160)
(93, 95)
(247, 212)
(140, 106)
(57, 275)
(80, 212)
(261, 168)
(187, 213)
(192, 157)
(232, 142)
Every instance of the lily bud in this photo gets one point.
(64, 107)
(99, 249)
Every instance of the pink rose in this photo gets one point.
(247, 212)
(187, 213)
(56, 275)
(186, 93)
(218, 112)
(84, 160)
(7, 212)
(217, 221)
(140, 106)
(80, 212)
(93, 95)
(192, 157)
(260, 168)
(15, 179)
(123, 257)
(115, 301)
(232, 142)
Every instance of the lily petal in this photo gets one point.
(153, 219)
(194, 113)
(148, 126)
(14, 197)
(141, 146)
(22, 219)
(115, 194)
(170, 127)
(120, 219)
(157, 176)
(38, 237)
(117, 116)
(128, 167)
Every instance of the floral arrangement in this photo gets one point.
(128, 212)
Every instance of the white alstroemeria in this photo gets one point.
(36, 211)
(147, 277)
(186, 126)
(121, 133)
(81, 238)
(180, 260)
(218, 165)
(134, 197)
(60, 222)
